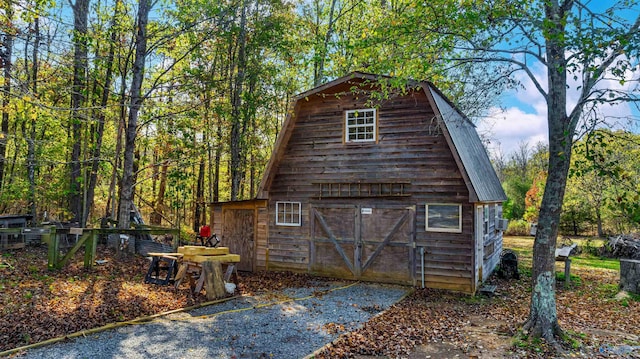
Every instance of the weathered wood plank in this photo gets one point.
(409, 148)
(225, 258)
(201, 250)
(213, 283)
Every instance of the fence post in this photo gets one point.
(90, 245)
(53, 244)
(567, 272)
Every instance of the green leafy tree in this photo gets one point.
(571, 41)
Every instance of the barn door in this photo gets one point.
(362, 242)
(238, 235)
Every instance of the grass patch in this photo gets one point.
(608, 290)
(596, 262)
(575, 280)
(532, 344)
(573, 339)
(523, 247)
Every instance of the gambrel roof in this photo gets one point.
(460, 133)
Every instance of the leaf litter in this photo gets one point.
(37, 304)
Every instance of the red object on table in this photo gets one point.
(205, 231)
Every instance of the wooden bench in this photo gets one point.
(562, 255)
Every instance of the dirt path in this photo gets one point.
(485, 338)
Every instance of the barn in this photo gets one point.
(373, 182)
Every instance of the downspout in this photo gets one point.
(422, 264)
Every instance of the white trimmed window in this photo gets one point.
(360, 125)
(288, 213)
(443, 217)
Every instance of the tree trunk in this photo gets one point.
(319, 66)
(100, 116)
(110, 208)
(199, 215)
(543, 317)
(76, 185)
(128, 177)
(31, 137)
(6, 61)
(599, 222)
(159, 208)
(237, 170)
(217, 160)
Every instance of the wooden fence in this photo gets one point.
(87, 237)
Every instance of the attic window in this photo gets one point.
(360, 125)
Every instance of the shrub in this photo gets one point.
(518, 227)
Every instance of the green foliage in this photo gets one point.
(524, 341)
(515, 188)
(601, 196)
(33, 269)
(589, 247)
(576, 213)
(601, 190)
(518, 227)
(196, 70)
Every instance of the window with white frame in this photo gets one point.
(360, 125)
(443, 218)
(288, 213)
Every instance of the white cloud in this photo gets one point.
(506, 129)
(524, 119)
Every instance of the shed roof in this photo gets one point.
(465, 144)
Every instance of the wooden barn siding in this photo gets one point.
(448, 261)
(261, 226)
(493, 242)
(404, 152)
(262, 233)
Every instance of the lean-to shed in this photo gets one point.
(373, 183)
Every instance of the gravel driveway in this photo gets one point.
(288, 324)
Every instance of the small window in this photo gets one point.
(360, 125)
(288, 213)
(444, 218)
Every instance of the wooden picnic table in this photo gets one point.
(201, 266)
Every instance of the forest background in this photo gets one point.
(180, 102)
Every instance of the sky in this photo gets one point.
(520, 117)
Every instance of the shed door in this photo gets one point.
(362, 242)
(238, 235)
